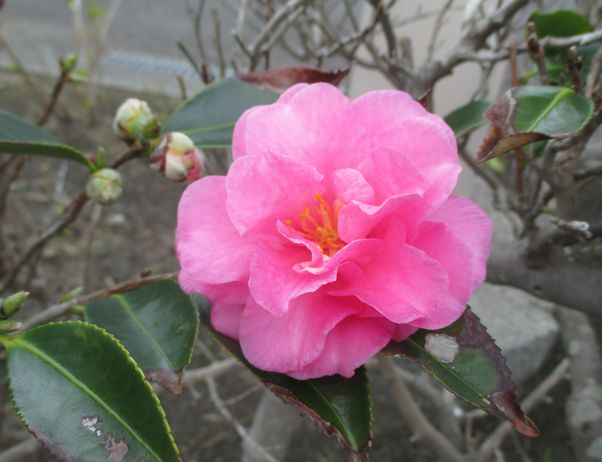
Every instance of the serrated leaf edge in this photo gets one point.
(6, 341)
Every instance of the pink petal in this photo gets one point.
(264, 189)
(358, 220)
(225, 318)
(429, 144)
(209, 248)
(350, 185)
(403, 331)
(280, 272)
(401, 282)
(238, 137)
(295, 339)
(391, 174)
(471, 225)
(381, 110)
(438, 243)
(348, 346)
(328, 138)
(230, 292)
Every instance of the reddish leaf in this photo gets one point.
(465, 359)
(527, 114)
(285, 77)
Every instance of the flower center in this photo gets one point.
(321, 226)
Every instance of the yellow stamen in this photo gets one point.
(321, 229)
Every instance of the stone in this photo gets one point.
(522, 326)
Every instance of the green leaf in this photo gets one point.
(157, 324)
(208, 118)
(561, 23)
(338, 405)
(532, 113)
(84, 398)
(465, 359)
(468, 117)
(17, 136)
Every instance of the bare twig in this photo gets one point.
(33, 86)
(191, 60)
(20, 451)
(267, 32)
(579, 338)
(217, 24)
(495, 439)
(414, 415)
(226, 414)
(77, 205)
(437, 29)
(592, 75)
(54, 97)
(73, 212)
(212, 370)
(55, 311)
(390, 37)
(536, 53)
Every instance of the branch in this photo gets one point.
(561, 281)
(212, 370)
(20, 451)
(414, 415)
(77, 205)
(54, 311)
(495, 439)
(226, 414)
(579, 338)
(256, 48)
(472, 41)
(437, 29)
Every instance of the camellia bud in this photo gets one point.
(105, 186)
(7, 326)
(12, 303)
(134, 120)
(177, 158)
(68, 63)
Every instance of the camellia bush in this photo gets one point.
(334, 237)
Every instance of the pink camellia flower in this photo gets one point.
(334, 231)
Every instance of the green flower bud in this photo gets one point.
(12, 303)
(68, 63)
(7, 326)
(134, 120)
(105, 186)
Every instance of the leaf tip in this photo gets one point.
(507, 404)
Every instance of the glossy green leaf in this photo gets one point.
(158, 325)
(17, 136)
(468, 117)
(465, 359)
(208, 118)
(561, 23)
(84, 398)
(338, 405)
(532, 113)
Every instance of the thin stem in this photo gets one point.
(55, 311)
(54, 98)
(414, 415)
(495, 439)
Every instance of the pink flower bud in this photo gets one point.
(177, 158)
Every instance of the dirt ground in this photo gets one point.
(117, 242)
